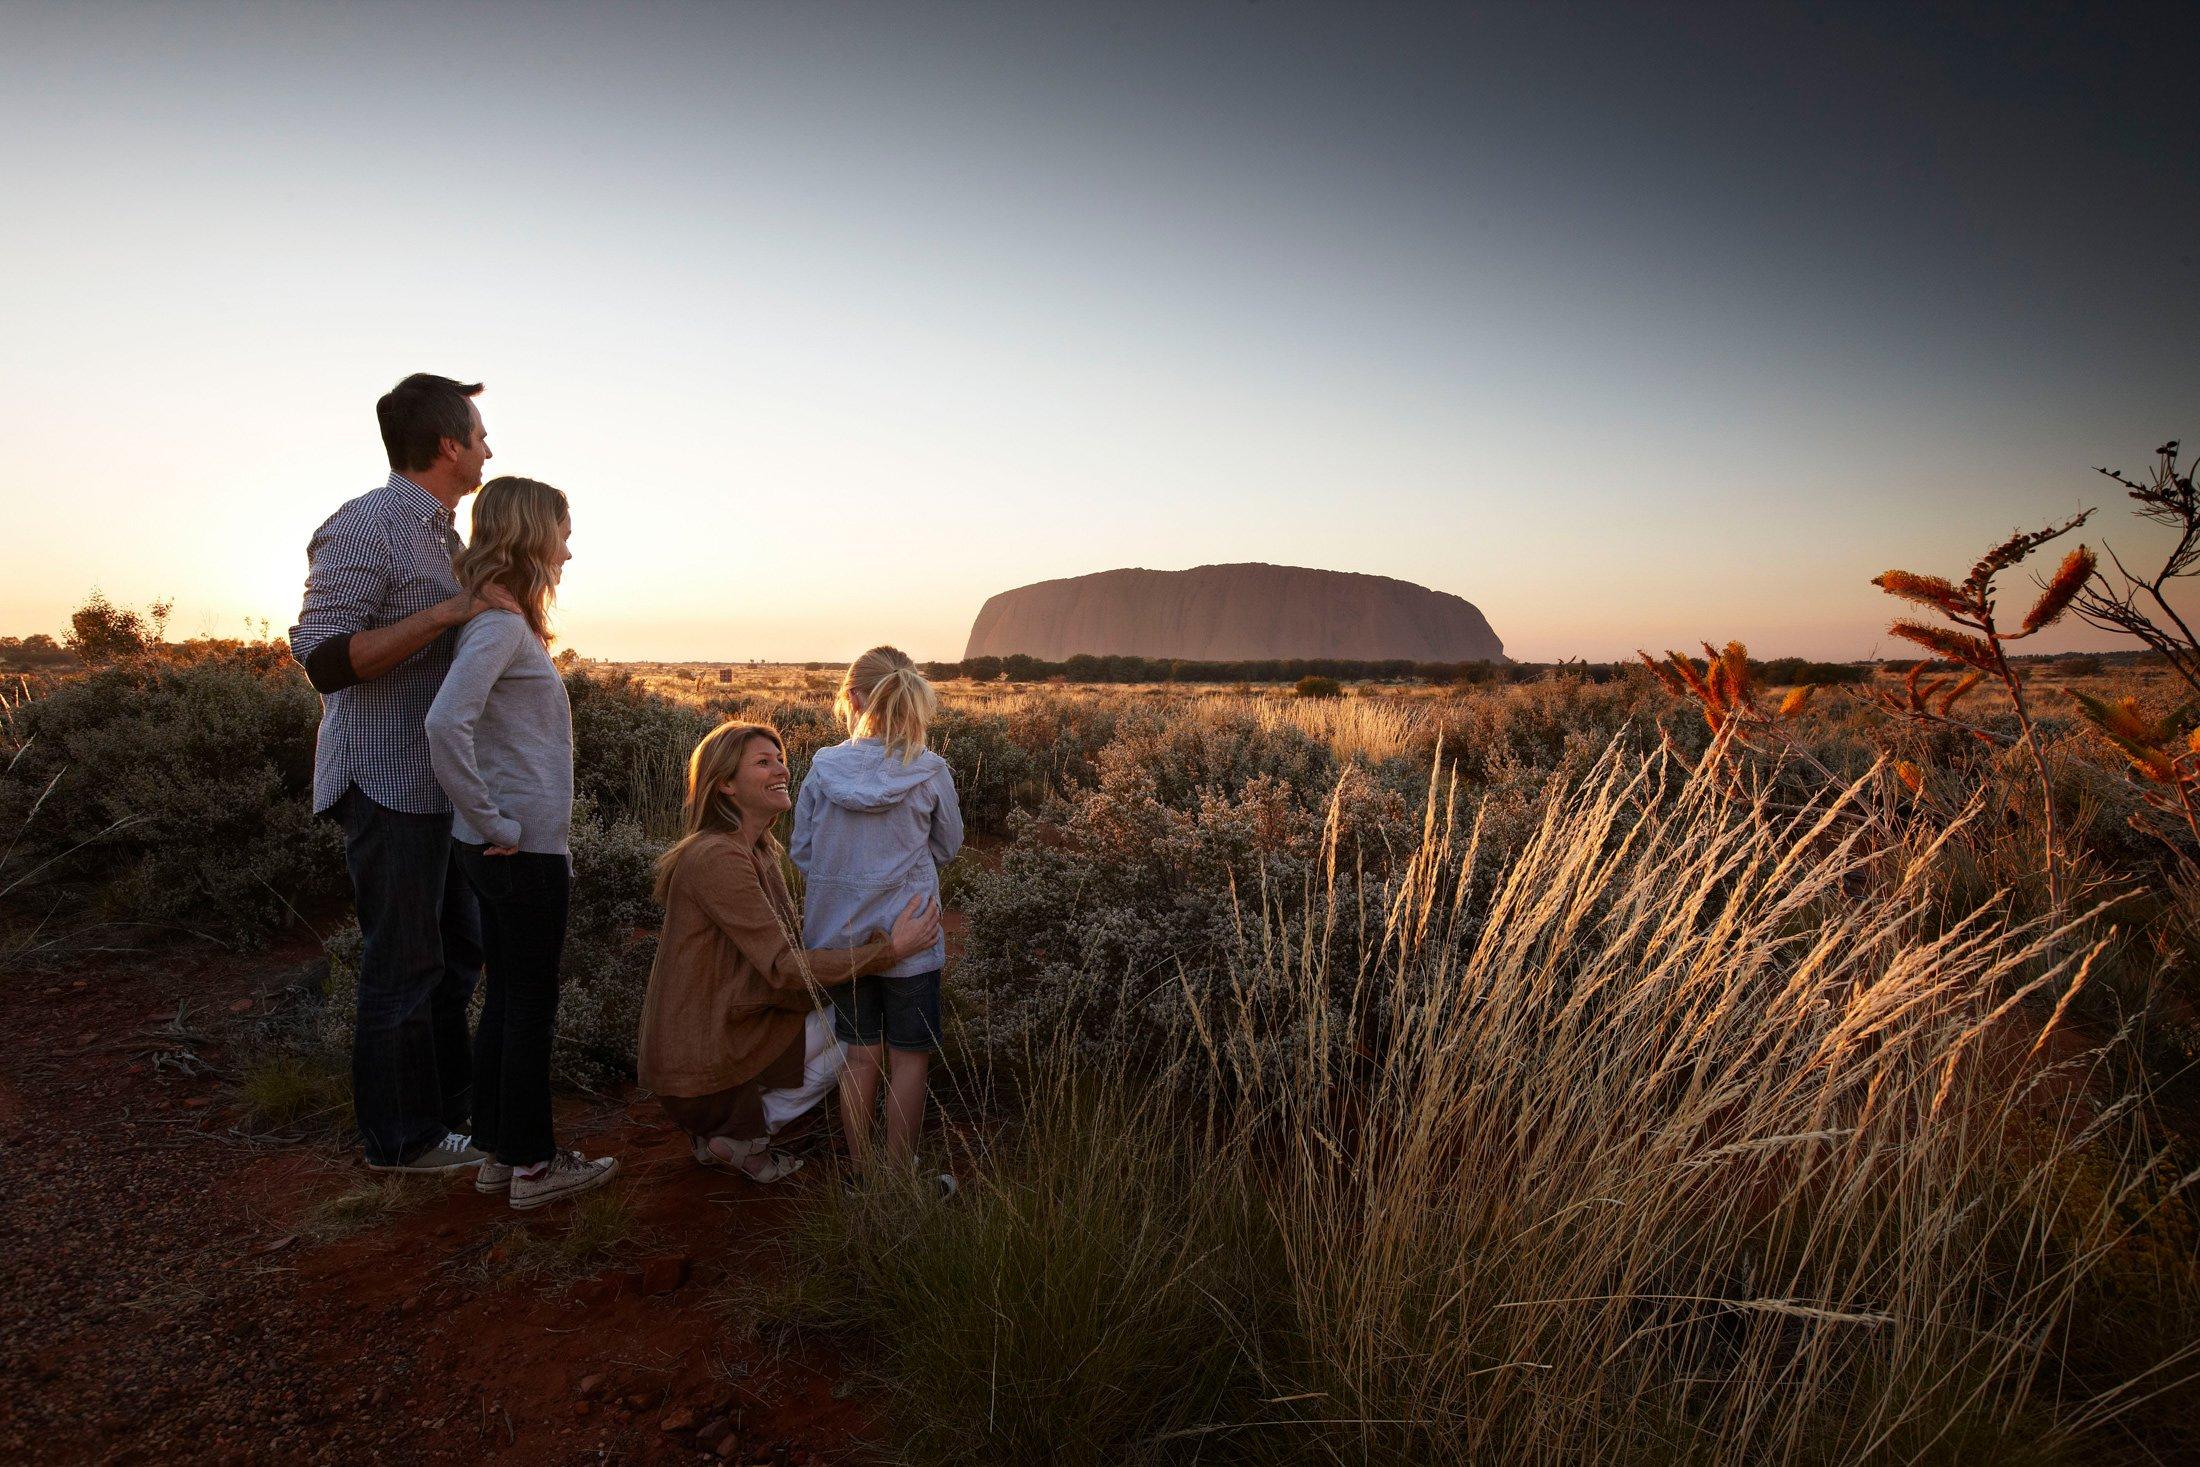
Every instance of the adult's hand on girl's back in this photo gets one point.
(916, 928)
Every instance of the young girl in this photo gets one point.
(732, 1040)
(500, 738)
(876, 820)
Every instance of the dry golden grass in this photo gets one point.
(1693, 1135)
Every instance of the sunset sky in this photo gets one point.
(1632, 325)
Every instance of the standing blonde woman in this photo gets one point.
(500, 736)
(878, 819)
(730, 1024)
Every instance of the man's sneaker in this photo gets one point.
(567, 1173)
(454, 1153)
(494, 1176)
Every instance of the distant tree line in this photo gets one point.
(1089, 668)
(35, 653)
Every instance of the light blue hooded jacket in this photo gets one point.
(870, 832)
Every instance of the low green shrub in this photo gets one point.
(173, 793)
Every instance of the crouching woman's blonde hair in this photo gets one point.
(707, 808)
(515, 545)
(898, 703)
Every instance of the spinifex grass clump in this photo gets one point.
(1695, 1135)
(1973, 637)
(1704, 1151)
(1089, 1293)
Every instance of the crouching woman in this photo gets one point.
(732, 1039)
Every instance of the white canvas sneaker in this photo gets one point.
(494, 1176)
(568, 1174)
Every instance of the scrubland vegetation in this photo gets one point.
(1518, 1073)
(1672, 1067)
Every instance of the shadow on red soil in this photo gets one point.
(164, 1294)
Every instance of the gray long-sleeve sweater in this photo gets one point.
(500, 735)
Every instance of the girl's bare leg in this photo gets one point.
(904, 1102)
(859, 1100)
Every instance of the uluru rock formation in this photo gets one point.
(1233, 613)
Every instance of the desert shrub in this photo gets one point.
(175, 793)
(1318, 687)
(630, 748)
(1198, 834)
(1041, 747)
(611, 940)
(805, 727)
(1558, 723)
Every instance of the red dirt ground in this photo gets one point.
(160, 1299)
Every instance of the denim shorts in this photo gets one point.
(904, 1012)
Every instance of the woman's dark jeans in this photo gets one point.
(523, 908)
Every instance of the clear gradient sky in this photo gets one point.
(1632, 325)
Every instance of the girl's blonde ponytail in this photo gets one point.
(898, 703)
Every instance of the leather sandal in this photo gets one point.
(778, 1166)
(709, 1155)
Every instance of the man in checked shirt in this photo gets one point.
(375, 638)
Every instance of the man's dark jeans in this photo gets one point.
(524, 898)
(410, 1071)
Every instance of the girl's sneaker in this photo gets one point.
(494, 1176)
(566, 1174)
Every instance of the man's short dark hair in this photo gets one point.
(418, 414)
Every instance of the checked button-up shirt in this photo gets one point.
(376, 561)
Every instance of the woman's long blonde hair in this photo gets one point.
(707, 808)
(898, 703)
(517, 523)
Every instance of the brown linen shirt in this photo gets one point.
(729, 989)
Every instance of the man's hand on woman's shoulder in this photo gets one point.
(466, 605)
